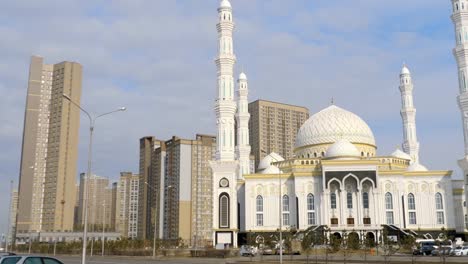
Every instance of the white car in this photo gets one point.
(461, 251)
(28, 260)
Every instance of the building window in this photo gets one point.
(259, 204)
(440, 218)
(285, 219)
(411, 203)
(367, 221)
(334, 221)
(259, 219)
(440, 209)
(389, 216)
(350, 221)
(333, 201)
(388, 201)
(310, 202)
(285, 210)
(365, 200)
(349, 199)
(224, 210)
(286, 203)
(412, 218)
(311, 218)
(438, 200)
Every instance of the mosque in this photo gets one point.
(336, 181)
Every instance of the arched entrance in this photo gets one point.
(370, 239)
(353, 240)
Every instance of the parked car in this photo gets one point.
(28, 260)
(245, 251)
(267, 251)
(461, 251)
(444, 251)
(426, 250)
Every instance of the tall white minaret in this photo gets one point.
(408, 115)
(226, 167)
(225, 105)
(242, 118)
(460, 21)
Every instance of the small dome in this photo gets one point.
(267, 160)
(242, 76)
(401, 155)
(417, 167)
(405, 70)
(225, 3)
(342, 148)
(331, 125)
(272, 169)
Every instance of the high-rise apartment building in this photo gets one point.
(147, 188)
(273, 128)
(50, 147)
(99, 202)
(179, 188)
(127, 204)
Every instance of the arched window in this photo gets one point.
(411, 203)
(286, 203)
(411, 209)
(333, 201)
(365, 200)
(388, 201)
(438, 200)
(224, 210)
(439, 209)
(315, 154)
(310, 209)
(285, 210)
(323, 154)
(349, 200)
(310, 202)
(259, 203)
(259, 210)
(389, 208)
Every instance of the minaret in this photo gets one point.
(225, 168)
(460, 21)
(225, 105)
(242, 118)
(408, 115)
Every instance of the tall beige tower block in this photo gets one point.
(273, 128)
(50, 147)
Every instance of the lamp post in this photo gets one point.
(103, 227)
(280, 219)
(92, 121)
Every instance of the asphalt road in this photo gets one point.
(265, 259)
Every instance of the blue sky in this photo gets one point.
(156, 58)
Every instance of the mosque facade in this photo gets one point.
(336, 181)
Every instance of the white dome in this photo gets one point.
(331, 125)
(272, 169)
(417, 167)
(242, 76)
(342, 148)
(225, 3)
(405, 70)
(400, 154)
(267, 160)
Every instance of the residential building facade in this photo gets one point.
(273, 128)
(49, 149)
(127, 204)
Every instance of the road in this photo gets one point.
(265, 259)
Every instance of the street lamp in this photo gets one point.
(92, 121)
